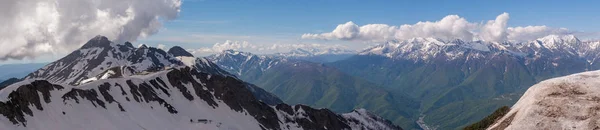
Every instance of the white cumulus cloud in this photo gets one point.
(345, 31)
(495, 30)
(449, 27)
(34, 27)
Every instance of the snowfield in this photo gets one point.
(160, 101)
(85, 114)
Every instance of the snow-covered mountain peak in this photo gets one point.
(559, 41)
(235, 52)
(423, 49)
(228, 60)
(593, 44)
(559, 38)
(429, 40)
(314, 51)
(100, 54)
(569, 102)
(142, 46)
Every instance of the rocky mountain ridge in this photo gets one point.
(147, 88)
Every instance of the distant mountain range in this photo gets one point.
(12, 73)
(308, 52)
(455, 82)
(301, 82)
(459, 82)
(18, 70)
(318, 55)
(117, 86)
(5, 83)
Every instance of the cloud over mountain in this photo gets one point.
(495, 30)
(34, 27)
(449, 27)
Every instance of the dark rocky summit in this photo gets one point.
(178, 51)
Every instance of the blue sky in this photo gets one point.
(301, 16)
(202, 23)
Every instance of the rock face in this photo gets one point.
(200, 96)
(569, 102)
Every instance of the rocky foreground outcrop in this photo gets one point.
(569, 102)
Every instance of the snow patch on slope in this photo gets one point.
(188, 61)
(109, 104)
(366, 120)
